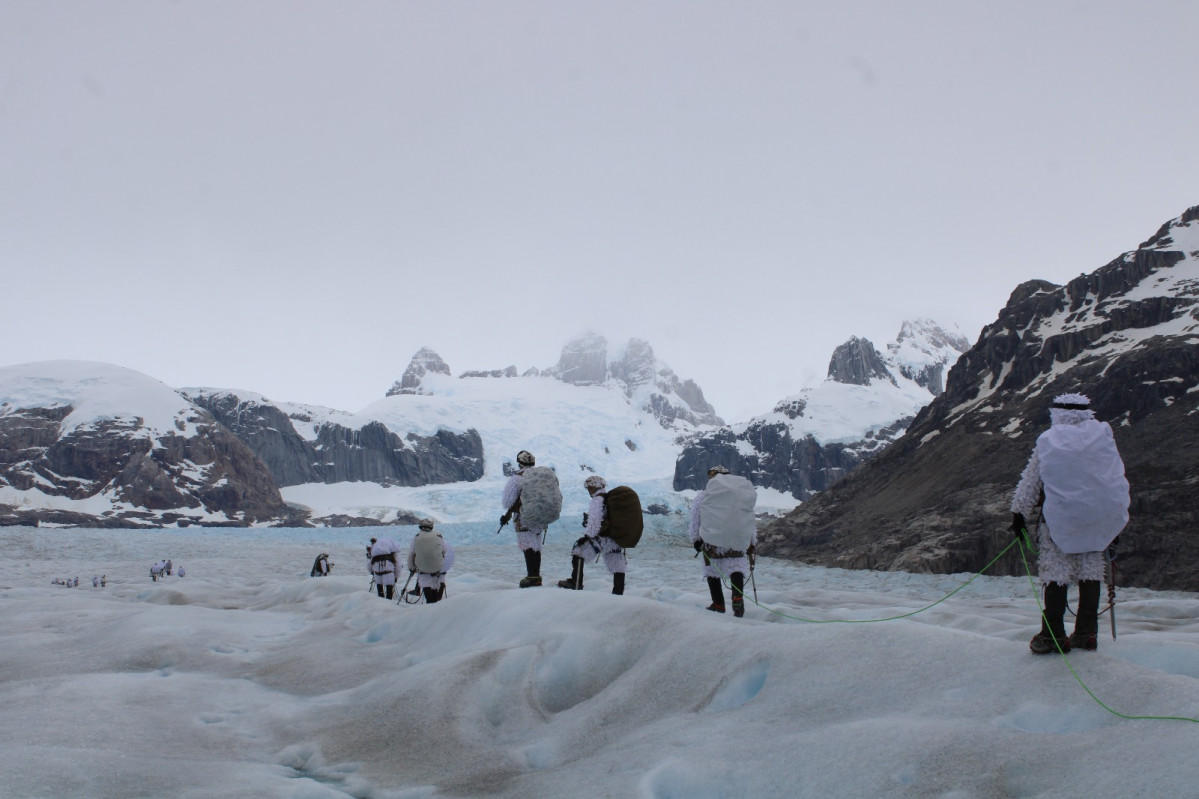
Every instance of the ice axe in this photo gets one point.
(404, 590)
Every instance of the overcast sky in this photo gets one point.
(293, 197)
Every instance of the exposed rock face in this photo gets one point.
(660, 390)
(329, 452)
(423, 362)
(1127, 335)
(584, 361)
(507, 372)
(773, 458)
(791, 451)
(117, 471)
(677, 404)
(857, 362)
(920, 351)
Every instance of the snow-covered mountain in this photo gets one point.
(812, 439)
(649, 384)
(1126, 335)
(618, 414)
(93, 444)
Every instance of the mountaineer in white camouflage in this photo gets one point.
(1076, 475)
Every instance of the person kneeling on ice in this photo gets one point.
(724, 530)
(594, 541)
(320, 567)
(383, 565)
(531, 495)
(1076, 474)
(430, 557)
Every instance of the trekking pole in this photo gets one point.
(1111, 590)
(752, 581)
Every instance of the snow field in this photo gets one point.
(247, 677)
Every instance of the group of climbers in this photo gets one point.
(1075, 476)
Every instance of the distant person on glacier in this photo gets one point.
(429, 557)
(528, 536)
(1076, 474)
(723, 530)
(158, 570)
(320, 567)
(594, 543)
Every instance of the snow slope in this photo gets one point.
(247, 678)
(97, 392)
(576, 430)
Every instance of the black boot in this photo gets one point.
(738, 581)
(431, 595)
(618, 583)
(533, 567)
(717, 592)
(379, 588)
(1053, 630)
(575, 581)
(1086, 623)
(391, 592)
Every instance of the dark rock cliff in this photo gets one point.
(335, 453)
(770, 452)
(937, 500)
(207, 477)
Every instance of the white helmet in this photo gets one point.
(525, 458)
(595, 482)
(426, 524)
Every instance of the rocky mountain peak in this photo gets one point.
(1124, 335)
(584, 361)
(923, 352)
(423, 362)
(857, 362)
(637, 367)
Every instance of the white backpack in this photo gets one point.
(726, 514)
(540, 497)
(428, 555)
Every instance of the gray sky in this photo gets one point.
(293, 197)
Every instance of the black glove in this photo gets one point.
(1019, 527)
(584, 518)
(1111, 548)
(698, 544)
(505, 518)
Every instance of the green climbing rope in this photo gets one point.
(973, 577)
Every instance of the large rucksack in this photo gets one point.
(540, 497)
(624, 521)
(428, 555)
(726, 514)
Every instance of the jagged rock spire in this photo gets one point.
(857, 362)
(424, 361)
